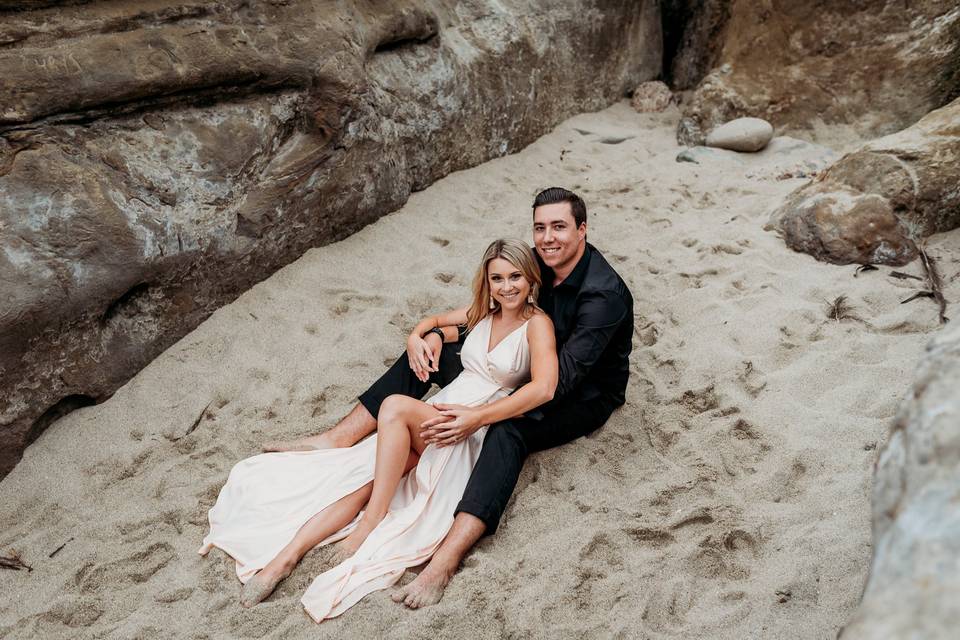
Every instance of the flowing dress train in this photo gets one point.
(269, 497)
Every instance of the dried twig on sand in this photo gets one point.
(14, 562)
(840, 309)
(934, 281)
(918, 294)
(900, 275)
(862, 268)
(58, 549)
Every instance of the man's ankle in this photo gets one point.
(445, 566)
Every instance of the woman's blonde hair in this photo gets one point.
(520, 255)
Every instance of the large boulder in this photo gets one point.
(157, 159)
(873, 205)
(876, 66)
(914, 578)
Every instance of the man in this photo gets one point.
(592, 311)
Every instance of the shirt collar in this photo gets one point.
(575, 279)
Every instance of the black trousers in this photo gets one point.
(507, 444)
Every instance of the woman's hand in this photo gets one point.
(423, 354)
(455, 423)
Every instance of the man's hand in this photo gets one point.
(424, 354)
(455, 423)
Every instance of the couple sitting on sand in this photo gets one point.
(544, 360)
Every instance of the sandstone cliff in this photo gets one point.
(157, 158)
(875, 66)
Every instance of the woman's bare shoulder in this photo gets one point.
(540, 322)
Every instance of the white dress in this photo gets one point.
(269, 497)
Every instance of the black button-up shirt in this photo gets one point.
(592, 312)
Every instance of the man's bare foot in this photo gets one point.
(426, 590)
(261, 585)
(311, 443)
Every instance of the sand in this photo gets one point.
(729, 498)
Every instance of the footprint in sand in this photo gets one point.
(648, 536)
(366, 300)
(667, 606)
(602, 549)
(786, 485)
(727, 249)
(728, 556)
(698, 401)
(139, 530)
(741, 449)
(751, 380)
(134, 569)
(174, 595)
(73, 612)
(694, 517)
(317, 403)
(111, 473)
(646, 331)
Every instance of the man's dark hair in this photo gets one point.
(553, 195)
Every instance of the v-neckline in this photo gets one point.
(504, 338)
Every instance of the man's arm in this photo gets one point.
(457, 422)
(599, 315)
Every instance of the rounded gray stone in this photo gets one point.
(742, 134)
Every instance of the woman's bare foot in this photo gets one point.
(262, 585)
(311, 443)
(349, 545)
(426, 590)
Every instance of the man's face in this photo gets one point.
(556, 236)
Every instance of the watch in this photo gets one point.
(436, 330)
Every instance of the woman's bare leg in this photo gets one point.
(398, 436)
(313, 532)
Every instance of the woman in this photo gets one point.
(275, 507)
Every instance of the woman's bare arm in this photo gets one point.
(424, 356)
(544, 372)
(447, 321)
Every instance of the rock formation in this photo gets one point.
(743, 134)
(159, 157)
(651, 97)
(872, 205)
(878, 66)
(693, 33)
(913, 584)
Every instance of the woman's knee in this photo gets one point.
(392, 410)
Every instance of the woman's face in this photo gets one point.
(507, 284)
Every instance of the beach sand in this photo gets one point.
(729, 498)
